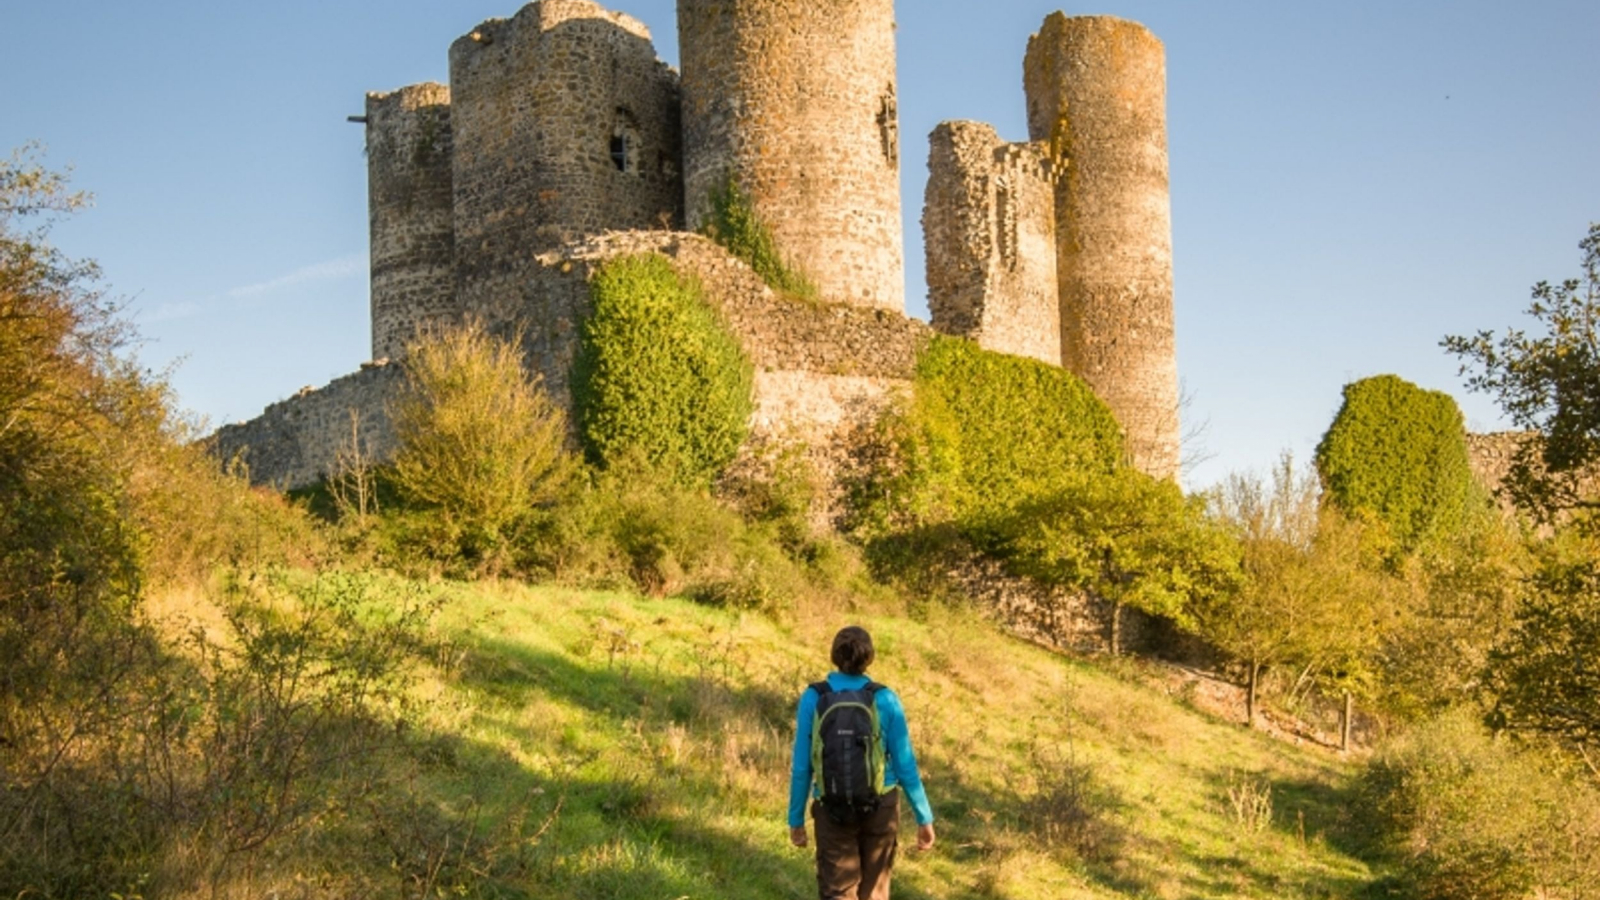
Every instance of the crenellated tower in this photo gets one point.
(795, 100)
(1096, 90)
(566, 125)
(409, 204)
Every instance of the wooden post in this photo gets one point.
(1344, 722)
(1250, 695)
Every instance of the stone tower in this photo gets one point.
(566, 124)
(1096, 89)
(989, 227)
(409, 203)
(795, 101)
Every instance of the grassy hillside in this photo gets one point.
(601, 745)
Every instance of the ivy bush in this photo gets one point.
(658, 375)
(1398, 453)
(735, 225)
(987, 432)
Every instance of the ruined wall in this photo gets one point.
(823, 371)
(409, 205)
(778, 333)
(1096, 89)
(565, 124)
(795, 100)
(1491, 456)
(989, 232)
(294, 442)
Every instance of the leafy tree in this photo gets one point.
(1549, 384)
(480, 442)
(1125, 537)
(69, 561)
(1546, 675)
(658, 376)
(1308, 601)
(1455, 603)
(1398, 453)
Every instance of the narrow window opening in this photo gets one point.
(624, 146)
(619, 152)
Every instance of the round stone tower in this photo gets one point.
(1096, 88)
(409, 203)
(566, 125)
(794, 100)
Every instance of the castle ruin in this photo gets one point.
(562, 141)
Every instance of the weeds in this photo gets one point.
(1250, 801)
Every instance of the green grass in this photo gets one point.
(575, 743)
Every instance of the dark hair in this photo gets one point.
(852, 650)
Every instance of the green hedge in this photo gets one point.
(1398, 453)
(658, 375)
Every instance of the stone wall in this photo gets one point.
(1491, 457)
(779, 333)
(1096, 90)
(409, 204)
(295, 442)
(565, 124)
(989, 225)
(796, 101)
(823, 371)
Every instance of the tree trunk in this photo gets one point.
(1116, 628)
(1250, 695)
(1344, 722)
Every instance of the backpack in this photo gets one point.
(848, 758)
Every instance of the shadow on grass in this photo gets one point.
(615, 836)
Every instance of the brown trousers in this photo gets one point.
(854, 861)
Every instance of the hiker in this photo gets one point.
(852, 757)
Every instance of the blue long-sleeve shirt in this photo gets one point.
(902, 767)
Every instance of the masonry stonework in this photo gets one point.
(295, 442)
(989, 232)
(1491, 457)
(795, 101)
(1096, 92)
(566, 124)
(409, 202)
(563, 141)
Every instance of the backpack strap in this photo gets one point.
(823, 688)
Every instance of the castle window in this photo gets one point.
(624, 147)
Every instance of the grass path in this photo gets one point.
(603, 745)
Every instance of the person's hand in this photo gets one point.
(925, 836)
(797, 836)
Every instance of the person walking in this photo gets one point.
(853, 760)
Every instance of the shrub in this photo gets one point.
(984, 433)
(1398, 453)
(480, 443)
(658, 376)
(1464, 814)
(735, 225)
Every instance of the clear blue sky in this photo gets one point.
(1350, 181)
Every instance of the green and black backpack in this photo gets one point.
(848, 758)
